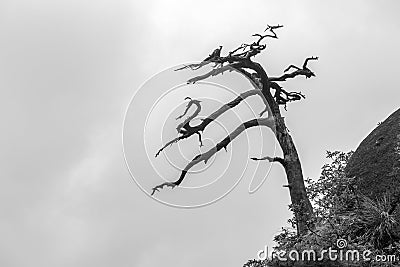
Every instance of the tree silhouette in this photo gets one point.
(273, 96)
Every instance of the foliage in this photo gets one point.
(255, 263)
(333, 193)
(341, 212)
(372, 223)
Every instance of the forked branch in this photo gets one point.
(282, 97)
(269, 122)
(191, 130)
(240, 59)
(306, 61)
(215, 55)
(184, 128)
(305, 71)
(240, 54)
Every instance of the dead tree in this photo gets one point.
(274, 96)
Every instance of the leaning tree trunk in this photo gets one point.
(300, 203)
(240, 60)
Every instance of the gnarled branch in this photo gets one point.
(282, 97)
(240, 59)
(190, 130)
(272, 159)
(269, 122)
(305, 71)
(169, 143)
(185, 126)
(194, 66)
(213, 72)
(306, 61)
(247, 51)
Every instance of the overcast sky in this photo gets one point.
(68, 70)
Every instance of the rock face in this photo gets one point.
(376, 162)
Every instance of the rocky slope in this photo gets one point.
(376, 162)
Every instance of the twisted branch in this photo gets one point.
(305, 71)
(282, 97)
(212, 72)
(239, 59)
(269, 122)
(247, 51)
(190, 130)
(270, 159)
(184, 126)
(194, 66)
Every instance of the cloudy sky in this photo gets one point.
(68, 70)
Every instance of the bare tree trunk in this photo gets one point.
(300, 203)
(240, 60)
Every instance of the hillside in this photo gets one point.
(376, 162)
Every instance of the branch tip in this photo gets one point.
(161, 186)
